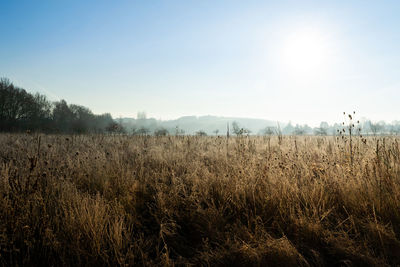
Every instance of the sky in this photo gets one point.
(298, 61)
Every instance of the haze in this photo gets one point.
(299, 61)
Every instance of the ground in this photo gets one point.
(186, 200)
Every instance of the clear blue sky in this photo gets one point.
(304, 61)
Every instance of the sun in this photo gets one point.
(305, 52)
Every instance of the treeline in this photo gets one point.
(359, 127)
(23, 111)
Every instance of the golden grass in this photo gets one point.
(120, 200)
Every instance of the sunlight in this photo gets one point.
(305, 52)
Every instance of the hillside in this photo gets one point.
(192, 124)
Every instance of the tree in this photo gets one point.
(161, 132)
(269, 130)
(288, 129)
(143, 131)
(179, 131)
(201, 133)
(395, 128)
(298, 130)
(375, 128)
(322, 130)
(20, 110)
(41, 112)
(115, 128)
(112, 127)
(83, 119)
(102, 121)
(238, 130)
(62, 116)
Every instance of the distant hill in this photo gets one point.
(209, 124)
(192, 124)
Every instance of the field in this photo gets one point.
(209, 201)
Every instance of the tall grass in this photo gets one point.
(119, 200)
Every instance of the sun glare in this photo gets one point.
(305, 52)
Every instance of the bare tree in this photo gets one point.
(201, 133)
(322, 130)
(161, 132)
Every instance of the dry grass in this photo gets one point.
(118, 200)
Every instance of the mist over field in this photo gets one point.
(23, 111)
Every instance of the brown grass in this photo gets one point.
(119, 200)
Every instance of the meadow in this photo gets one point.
(97, 200)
